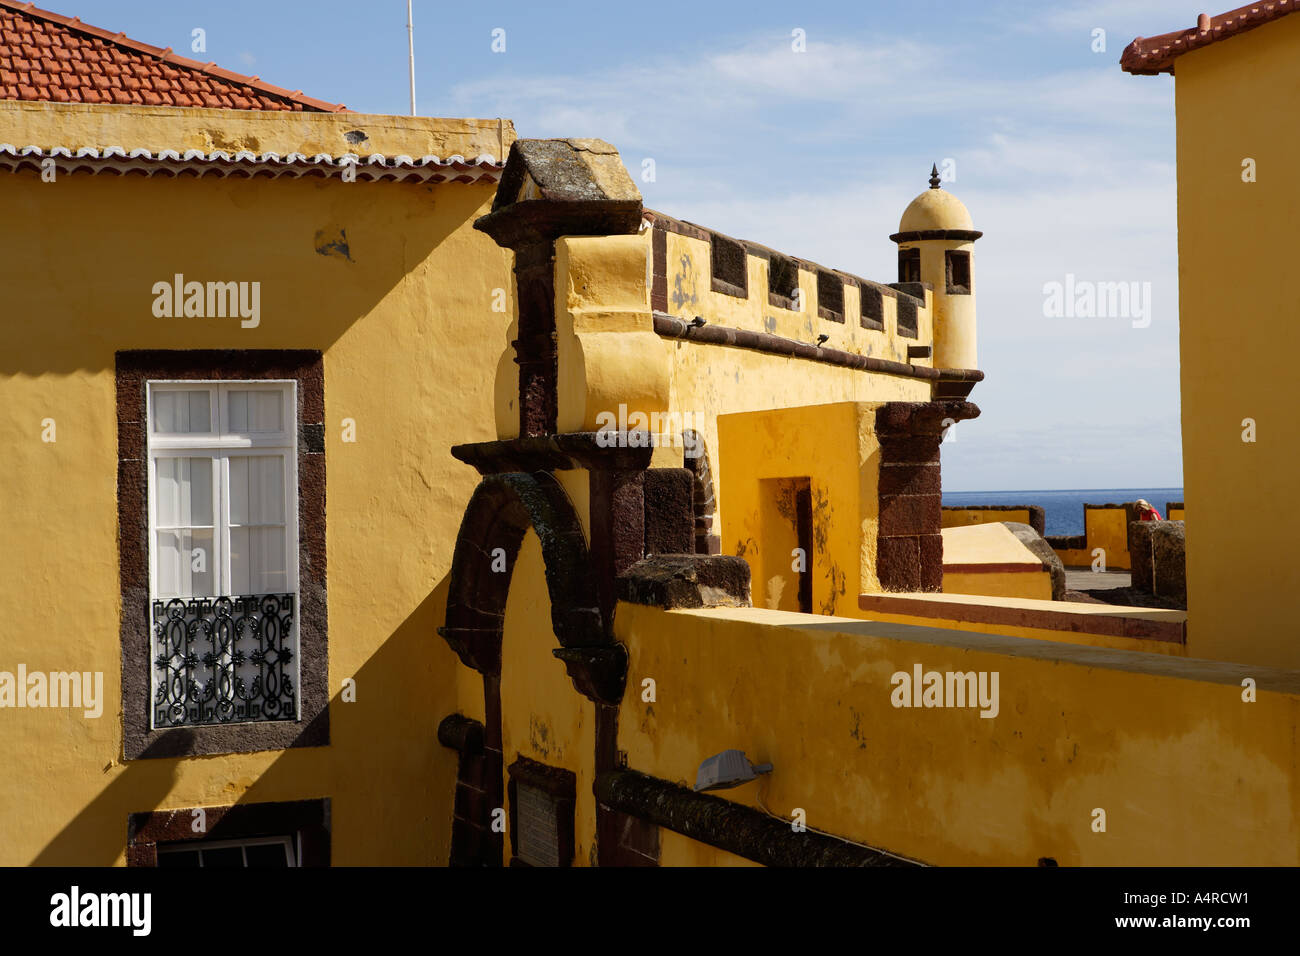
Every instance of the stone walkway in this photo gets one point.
(1086, 579)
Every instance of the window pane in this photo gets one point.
(181, 411)
(225, 856)
(178, 858)
(256, 489)
(183, 493)
(267, 854)
(186, 566)
(255, 410)
(257, 560)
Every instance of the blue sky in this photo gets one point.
(1065, 162)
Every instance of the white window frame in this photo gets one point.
(217, 444)
(292, 847)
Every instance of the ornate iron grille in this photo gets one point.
(224, 660)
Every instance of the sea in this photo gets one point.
(1063, 510)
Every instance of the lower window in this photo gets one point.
(268, 853)
(263, 835)
(542, 802)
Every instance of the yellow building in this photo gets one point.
(619, 510)
(289, 268)
(1235, 75)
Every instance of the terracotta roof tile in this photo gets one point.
(48, 57)
(1150, 55)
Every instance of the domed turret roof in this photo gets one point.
(935, 209)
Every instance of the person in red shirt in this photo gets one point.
(1146, 512)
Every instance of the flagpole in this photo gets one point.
(410, 45)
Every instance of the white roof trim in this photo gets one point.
(374, 167)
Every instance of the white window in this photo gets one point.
(259, 852)
(223, 555)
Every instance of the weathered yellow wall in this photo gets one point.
(608, 355)
(709, 380)
(407, 355)
(835, 447)
(157, 128)
(543, 717)
(1080, 634)
(960, 517)
(1176, 514)
(1107, 528)
(775, 563)
(677, 850)
(1023, 584)
(1236, 257)
(1165, 746)
(1075, 557)
(987, 558)
(690, 293)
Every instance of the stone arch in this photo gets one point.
(503, 508)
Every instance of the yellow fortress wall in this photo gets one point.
(403, 348)
(1164, 746)
(1236, 259)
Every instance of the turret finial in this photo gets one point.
(934, 176)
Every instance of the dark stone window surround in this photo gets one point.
(133, 370)
(871, 305)
(307, 820)
(728, 266)
(907, 319)
(909, 265)
(956, 267)
(782, 272)
(830, 296)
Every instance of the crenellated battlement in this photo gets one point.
(748, 286)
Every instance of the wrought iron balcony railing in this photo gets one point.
(225, 660)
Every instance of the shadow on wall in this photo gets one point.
(390, 783)
(325, 254)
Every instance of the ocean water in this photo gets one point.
(1064, 509)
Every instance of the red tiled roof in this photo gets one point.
(1150, 55)
(52, 58)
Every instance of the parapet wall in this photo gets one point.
(745, 285)
(1091, 756)
(959, 516)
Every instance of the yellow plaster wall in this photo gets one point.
(960, 517)
(710, 380)
(543, 717)
(1236, 257)
(835, 447)
(1075, 557)
(973, 554)
(608, 356)
(1165, 746)
(407, 355)
(1176, 514)
(678, 850)
(1061, 636)
(167, 127)
(1107, 528)
(1023, 584)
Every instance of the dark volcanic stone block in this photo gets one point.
(1169, 559)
